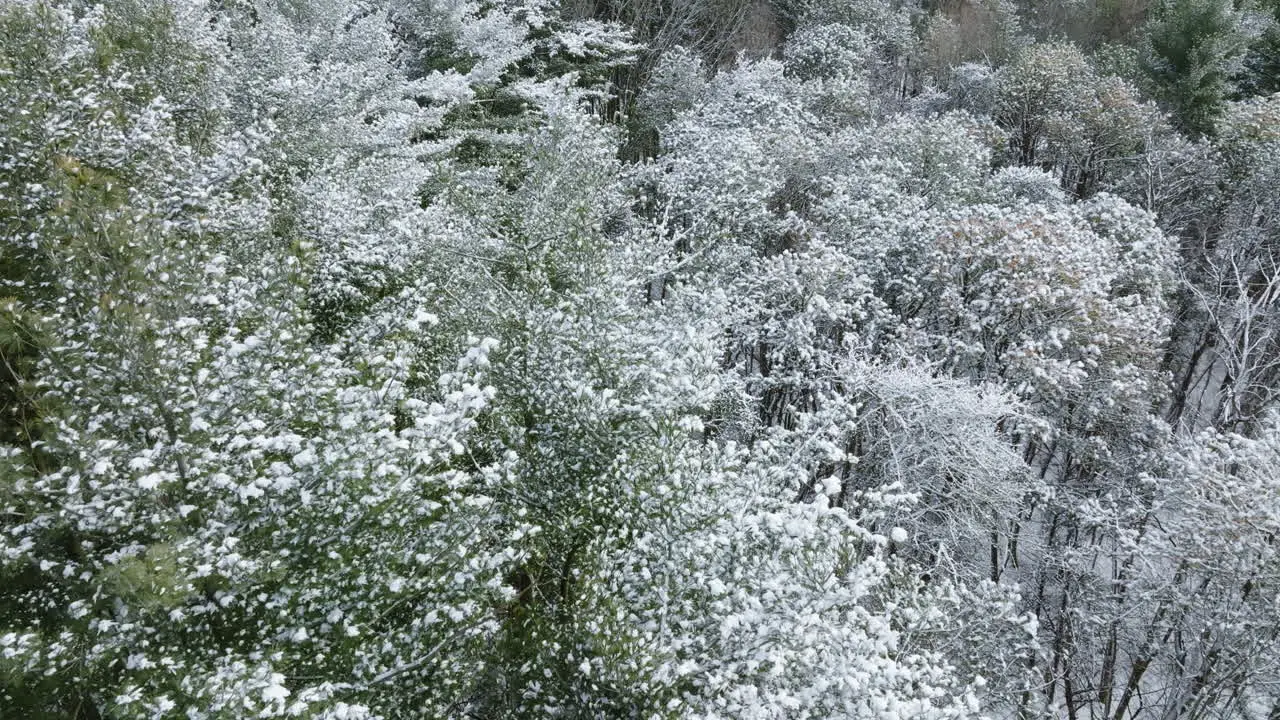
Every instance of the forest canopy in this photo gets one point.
(709, 359)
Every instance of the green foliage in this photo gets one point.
(1260, 71)
(1193, 49)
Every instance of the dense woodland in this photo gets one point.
(640, 359)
